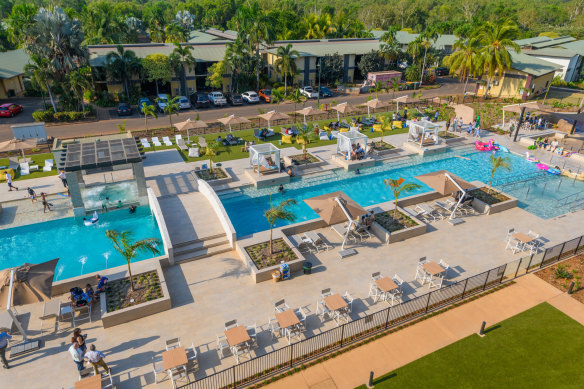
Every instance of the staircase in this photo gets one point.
(201, 248)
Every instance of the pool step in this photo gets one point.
(201, 248)
(206, 238)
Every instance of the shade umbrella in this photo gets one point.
(446, 183)
(529, 107)
(310, 111)
(375, 104)
(336, 207)
(344, 108)
(18, 144)
(273, 115)
(405, 100)
(232, 120)
(190, 125)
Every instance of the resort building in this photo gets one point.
(11, 71)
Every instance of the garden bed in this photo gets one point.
(261, 257)
(393, 223)
(447, 135)
(487, 196)
(562, 274)
(490, 202)
(381, 146)
(215, 176)
(390, 230)
(119, 294)
(298, 161)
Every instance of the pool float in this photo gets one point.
(542, 166)
(91, 221)
(502, 148)
(555, 171)
(529, 158)
(489, 146)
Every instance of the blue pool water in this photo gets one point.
(246, 208)
(80, 249)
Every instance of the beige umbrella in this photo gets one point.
(32, 283)
(344, 108)
(273, 115)
(405, 100)
(310, 111)
(17, 144)
(446, 183)
(375, 104)
(190, 125)
(232, 120)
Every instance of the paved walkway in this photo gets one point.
(352, 369)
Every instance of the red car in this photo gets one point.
(9, 110)
(266, 95)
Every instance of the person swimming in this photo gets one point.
(132, 209)
(91, 221)
(281, 188)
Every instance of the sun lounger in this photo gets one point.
(303, 245)
(177, 137)
(317, 240)
(361, 232)
(256, 134)
(194, 152)
(145, 143)
(202, 142)
(181, 144)
(155, 141)
(166, 141)
(24, 169)
(49, 164)
(342, 231)
(323, 136)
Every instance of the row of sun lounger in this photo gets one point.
(166, 140)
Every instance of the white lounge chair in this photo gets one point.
(202, 142)
(145, 143)
(177, 137)
(24, 169)
(166, 141)
(49, 164)
(323, 136)
(303, 245)
(339, 229)
(155, 141)
(181, 144)
(194, 152)
(317, 240)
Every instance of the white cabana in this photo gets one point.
(346, 140)
(265, 158)
(423, 132)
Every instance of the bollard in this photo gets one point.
(370, 380)
(571, 289)
(482, 330)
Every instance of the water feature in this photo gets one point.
(94, 196)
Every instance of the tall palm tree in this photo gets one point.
(394, 86)
(311, 26)
(297, 98)
(427, 39)
(397, 187)
(182, 59)
(121, 65)
(465, 60)
(497, 41)
(148, 110)
(39, 74)
(260, 30)
(171, 108)
(212, 150)
(496, 164)
(303, 137)
(273, 214)
(79, 81)
(415, 48)
(286, 63)
(129, 249)
(236, 53)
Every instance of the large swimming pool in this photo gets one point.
(246, 207)
(80, 249)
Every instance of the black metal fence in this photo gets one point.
(258, 369)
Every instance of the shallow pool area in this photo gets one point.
(95, 196)
(246, 206)
(80, 249)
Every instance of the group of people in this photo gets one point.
(473, 129)
(546, 144)
(366, 220)
(357, 152)
(33, 197)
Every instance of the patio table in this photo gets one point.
(335, 302)
(434, 270)
(93, 382)
(174, 358)
(287, 319)
(523, 238)
(236, 336)
(386, 284)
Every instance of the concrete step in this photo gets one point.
(195, 246)
(200, 240)
(202, 252)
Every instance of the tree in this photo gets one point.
(386, 125)
(415, 48)
(378, 87)
(303, 137)
(390, 48)
(427, 38)
(412, 72)
(129, 249)
(286, 63)
(121, 65)
(182, 59)
(157, 68)
(212, 150)
(397, 187)
(215, 76)
(79, 81)
(21, 18)
(331, 68)
(280, 212)
(465, 60)
(171, 108)
(497, 40)
(102, 24)
(277, 96)
(370, 62)
(174, 32)
(496, 164)
(394, 86)
(40, 75)
(148, 110)
(297, 98)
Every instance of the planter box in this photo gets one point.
(320, 162)
(452, 140)
(219, 181)
(382, 153)
(397, 236)
(487, 209)
(110, 319)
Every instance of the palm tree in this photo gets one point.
(39, 74)
(175, 32)
(259, 28)
(415, 48)
(394, 86)
(386, 124)
(171, 108)
(378, 87)
(129, 249)
(102, 23)
(303, 137)
(465, 60)
(286, 63)
(497, 41)
(182, 59)
(297, 98)
(277, 96)
(279, 213)
(397, 187)
(427, 39)
(79, 81)
(496, 164)
(212, 150)
(236, 53)
(121, 65)
(310, 24)
(148, 110)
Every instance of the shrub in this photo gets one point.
(562, 272)
(43, 116)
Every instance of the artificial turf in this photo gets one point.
(37, 159)
(541, 347)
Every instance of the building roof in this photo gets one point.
(532, 65)
(550, 52)
(201, 37)
(404, 38)
(12, 63)
(377, 34)
(320, 48)
(553, 42)
(575, 46)
(103, 153)
(529, 41)
(227, 34)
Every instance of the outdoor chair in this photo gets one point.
(317, 240)
(347, 297)
(362, 232)
(172, 343)
(81, 313)
(435, 281)
(514, 245)
(342, 231)
(399, 281)
(177, 137)
(532, 234)
(166, 141)
(393, 297)
(181, 144)
(107, 380)
(252, 332)
(222, 346)
(239, 350)
(230, 324)
(281, 306)
(422, 261)
(145, 143)
(325, 293)
(257, 134)
(155, 141)
(335, 134)
(374, 292)
(532, 246)
(49, 164)
(445, 266)
(202, 142)
(375, 276)
(301, 314)
(510, 233)
(323, 136)
(303, 246)
(322, 311)
(86, 371)
(414, 213)
(24, 169)
(274, 328)
(421, 274)
(193, 362)
(345, 124)
(178, 375)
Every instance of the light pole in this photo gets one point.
(318, 91)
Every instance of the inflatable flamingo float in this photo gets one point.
(486, 146)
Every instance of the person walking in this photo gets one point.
(96, 358)
(9, 181)
(77, 355)
(79, 338)
(63, 178)
(4, 338)
(455, 125)
(31, 194)
(46, 204)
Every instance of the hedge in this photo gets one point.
(66, 116)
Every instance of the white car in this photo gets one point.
(309, 92)
(250, 97)
(217, 99)
(162, 101)
(183, 103)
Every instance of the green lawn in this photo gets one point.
(37, 159)
(539, 348)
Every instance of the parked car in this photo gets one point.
(183, 103)
(124, 109)
(442, 71)
(162, 101)
(266, 95)
(10, 109)
(144, 100)
(325, 92)
(217, 99)
(250, 97)
(200, 100)
(234, 98)
(309, 92)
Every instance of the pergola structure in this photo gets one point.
(259, 158)
(346, 140)
(423, 133)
